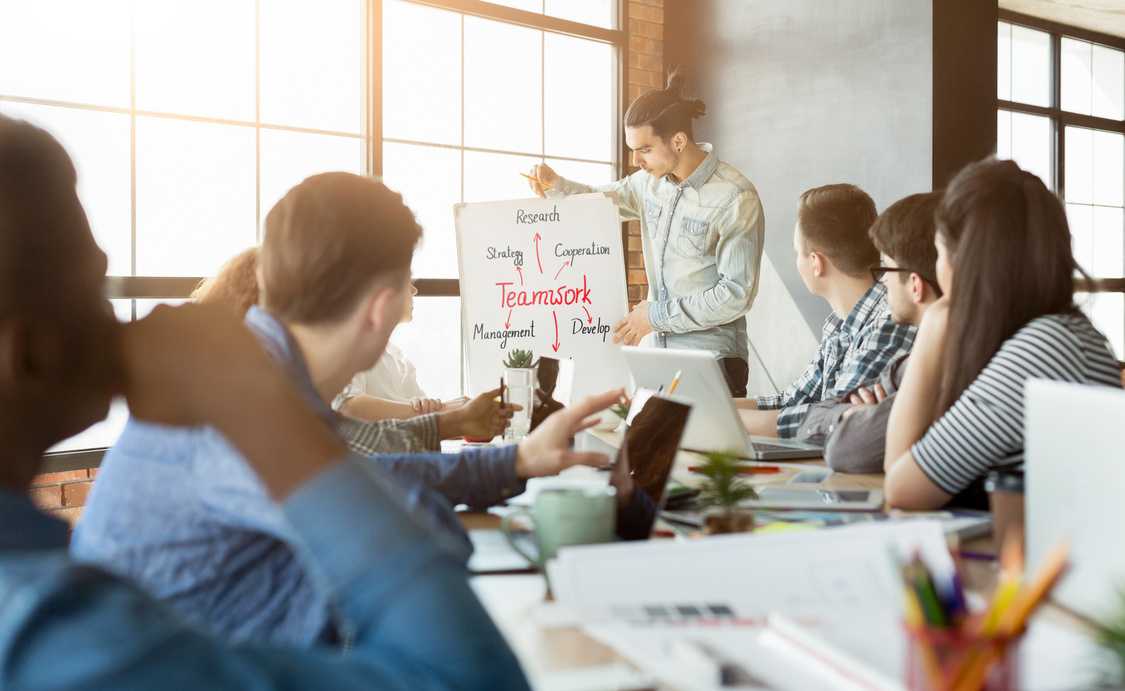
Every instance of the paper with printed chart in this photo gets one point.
(739, 579)
(545, 275)
(838, 589)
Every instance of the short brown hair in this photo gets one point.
(834, 220)
(666, 110)
(236, 284)
(326, 243)
(905, 232)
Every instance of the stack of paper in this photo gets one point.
(838, 594)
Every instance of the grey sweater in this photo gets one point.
(854, 444)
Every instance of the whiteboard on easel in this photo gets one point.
(545, 275)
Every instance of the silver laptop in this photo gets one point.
(714, 424)
(1074, 471)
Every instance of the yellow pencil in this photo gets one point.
(675, 382)
(1014, 616)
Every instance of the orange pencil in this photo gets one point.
(1029, 599)
(537, 181)
(1015, 616)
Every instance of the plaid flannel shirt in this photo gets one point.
(412, 435)
(853, 352)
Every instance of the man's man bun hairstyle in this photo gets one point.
(666, 110)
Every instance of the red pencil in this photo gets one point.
(745, 469)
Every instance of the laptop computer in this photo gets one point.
(1074, 470)
(714, 424)
(643, 467)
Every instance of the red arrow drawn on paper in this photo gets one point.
(508, 321)
(555, 345)
(538, 237)
(520, 272)
(589, 319)
(565, 264)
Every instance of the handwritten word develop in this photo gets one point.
(578, 326)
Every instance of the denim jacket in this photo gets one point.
(404, 604)
(702, 242)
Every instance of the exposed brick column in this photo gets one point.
(646, 71)
(63, 494)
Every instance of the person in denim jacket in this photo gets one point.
(702, 229)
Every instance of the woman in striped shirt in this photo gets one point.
(1008, 315)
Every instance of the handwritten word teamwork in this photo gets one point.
(562, 295)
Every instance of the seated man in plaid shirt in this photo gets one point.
(859, 339)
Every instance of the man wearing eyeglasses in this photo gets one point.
(835, 255)
(853, 428)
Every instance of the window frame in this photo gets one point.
(134, 287)
(1060, 118)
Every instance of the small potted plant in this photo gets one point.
(721, 493)
(519, 383)
(519, 359)
(619, 413)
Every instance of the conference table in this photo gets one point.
(551, 648)
(557, 654)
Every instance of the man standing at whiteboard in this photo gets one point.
(702, 229)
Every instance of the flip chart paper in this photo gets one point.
(546, 275)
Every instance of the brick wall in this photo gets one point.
(646, 71)
(63, 494)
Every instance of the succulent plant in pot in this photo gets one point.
(721, 492)
(519, 359)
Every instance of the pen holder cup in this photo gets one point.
(948, 660)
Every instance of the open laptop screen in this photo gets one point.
(644, 462)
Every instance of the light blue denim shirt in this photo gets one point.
(702, 242)
(402, 600)
(180, 512)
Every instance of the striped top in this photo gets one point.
(983, 429)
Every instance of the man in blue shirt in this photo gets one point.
(402, 599)
(181, 513)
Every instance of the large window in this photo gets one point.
(462, 118)
(1061, 115)
(188, 119)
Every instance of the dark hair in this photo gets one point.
(328, 240)
(39, 212)
(666, 110)
(905, 232)
(834, 220)
(1007, 238)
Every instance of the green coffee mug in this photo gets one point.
(566, 516)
